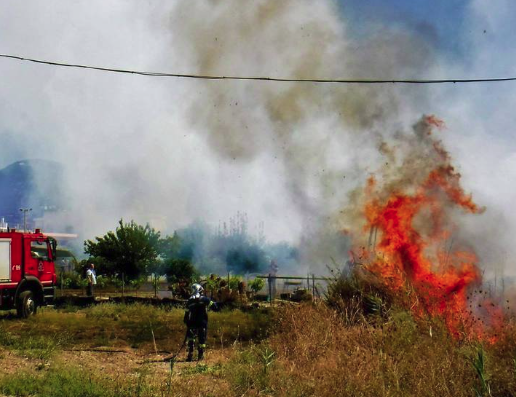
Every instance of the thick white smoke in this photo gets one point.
(169, 151)
(481, 130)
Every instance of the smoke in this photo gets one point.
(170, 151)
(324, 137)
(480, 132)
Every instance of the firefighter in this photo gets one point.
(196, 320)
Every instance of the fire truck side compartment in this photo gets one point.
(5, 259)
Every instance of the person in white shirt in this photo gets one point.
(92, 279)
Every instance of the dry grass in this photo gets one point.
(317, 354)
(314, 350)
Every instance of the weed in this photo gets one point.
(141, 385)
(250, 369)
(267, 356)
(479, 363)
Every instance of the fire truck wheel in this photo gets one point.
(26, 305)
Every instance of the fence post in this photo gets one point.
(269, 281)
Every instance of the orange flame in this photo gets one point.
(408, 259)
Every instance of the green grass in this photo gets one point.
(66, 381)
(39, 346)
(133, 325)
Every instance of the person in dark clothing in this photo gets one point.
(196, 320)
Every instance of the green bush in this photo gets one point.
(257, 284)
(72, 280)
(234, 281)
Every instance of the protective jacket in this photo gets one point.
(196, 314)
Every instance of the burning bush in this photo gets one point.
(356, 297)
(410, 206)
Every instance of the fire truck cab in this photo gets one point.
(27, 271)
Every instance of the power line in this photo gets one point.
(258, 78)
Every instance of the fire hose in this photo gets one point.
(172, 357)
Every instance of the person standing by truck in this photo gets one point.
(92, 279)
(196, 320)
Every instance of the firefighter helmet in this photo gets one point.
(197, 289)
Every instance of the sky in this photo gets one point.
(171, 151)
(442, 22)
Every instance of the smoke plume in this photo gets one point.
(170, 151)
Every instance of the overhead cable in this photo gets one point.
(261, 78)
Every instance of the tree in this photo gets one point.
(246, 258)
(170, 247)
(131, 249)
(257, 284)
(180, 270)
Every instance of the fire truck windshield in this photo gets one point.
(39, 249)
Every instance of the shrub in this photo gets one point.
(234, 281)
(72, 280)
(257, 285)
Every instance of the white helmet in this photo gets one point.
(197, 289)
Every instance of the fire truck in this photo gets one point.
(27, 271)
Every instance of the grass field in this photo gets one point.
(102, 351)
(301, 350)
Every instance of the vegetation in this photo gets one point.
(67, 352)
(310, 350)
(233, 251)
(131, 249)
(364, 341)
(64, 381)
(361, 340)
(121, 325)
(257, 284)
(180, 269)
(135, 251)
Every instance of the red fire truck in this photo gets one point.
(27, 272)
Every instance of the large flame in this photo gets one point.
(415, 252)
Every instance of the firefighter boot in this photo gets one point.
(200, 352)
(189, 358)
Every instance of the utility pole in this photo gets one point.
(25, 210)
